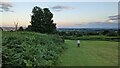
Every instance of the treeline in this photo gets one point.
(81, 33)
(105, 35)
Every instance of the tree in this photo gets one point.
(41, 21)
(105, 32)
(21, 29)
(29, 28)
(119, 32)
(37, 20)
(50, 26)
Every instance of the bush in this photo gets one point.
(30, 49)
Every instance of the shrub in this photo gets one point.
(30, 49)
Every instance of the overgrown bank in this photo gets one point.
(30, 49)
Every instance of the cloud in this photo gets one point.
(5, 6)
(60, 8)
(111, 22)
(114, 18)
(98, 25)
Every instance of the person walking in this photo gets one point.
(78, 43)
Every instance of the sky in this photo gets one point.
(66, 14)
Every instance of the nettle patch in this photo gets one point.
(30, 49)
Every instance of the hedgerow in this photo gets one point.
(30, 49)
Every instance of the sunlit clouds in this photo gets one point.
(114, 19)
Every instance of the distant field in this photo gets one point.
(95, 37)
(90, 53)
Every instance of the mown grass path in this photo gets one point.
(90, 53)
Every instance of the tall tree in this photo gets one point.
(41, 20)
(50, 26)
(37, 19)
(21, 29)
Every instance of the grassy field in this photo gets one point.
(90, 53)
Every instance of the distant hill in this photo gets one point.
(8, 28)
(86, 29)
(65, 29)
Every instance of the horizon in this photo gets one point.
(63, 27)
(66, 14)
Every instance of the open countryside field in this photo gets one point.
(90, 53)
(35, 49)
(48, 34)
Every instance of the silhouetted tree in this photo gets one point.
(50, 26)
(21, 29)
(41, 21)
(105, 32)
(29, 28)
(119, 32)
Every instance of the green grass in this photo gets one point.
(90, 53)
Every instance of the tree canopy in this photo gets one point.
(21, 29)
(41, 21)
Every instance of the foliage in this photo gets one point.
(105, 32)
(103, 35)
(21, 29)
(100, 37)
(89, 33)
(41, 21)
(30, 49)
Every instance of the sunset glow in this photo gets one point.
(66, 14)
